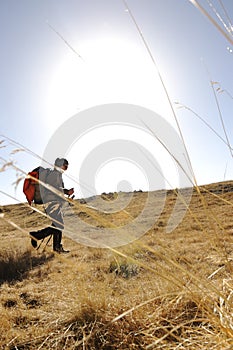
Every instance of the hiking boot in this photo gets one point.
(60, 249)
(33, 241)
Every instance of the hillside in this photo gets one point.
(156, 290)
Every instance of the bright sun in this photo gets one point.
(110, 70)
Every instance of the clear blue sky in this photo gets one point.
(60, 57)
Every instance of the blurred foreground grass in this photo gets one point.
(163, 291)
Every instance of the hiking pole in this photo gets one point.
(47, 242)
(40, 244)
(70, 199)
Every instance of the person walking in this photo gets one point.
(53, 201)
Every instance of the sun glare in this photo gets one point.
(100, 165)
(111, 70)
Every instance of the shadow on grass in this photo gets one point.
(15, 265)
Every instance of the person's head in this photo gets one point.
(61, 163)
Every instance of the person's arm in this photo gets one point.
(68, 192)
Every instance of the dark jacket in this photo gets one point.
(54, 179)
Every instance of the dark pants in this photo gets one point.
(54, 212)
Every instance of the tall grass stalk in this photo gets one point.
(205, 13)
(162, 82)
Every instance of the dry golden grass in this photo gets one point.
(163, 291)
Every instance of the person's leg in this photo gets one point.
(57, 237)
(38, 235)
(45, 232)
(54, 211)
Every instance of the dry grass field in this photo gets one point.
(162, 291)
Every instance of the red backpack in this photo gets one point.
(31, 187)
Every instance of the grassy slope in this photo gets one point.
(163, 291)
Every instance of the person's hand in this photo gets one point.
(70, 192)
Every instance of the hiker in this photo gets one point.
(53, 201)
